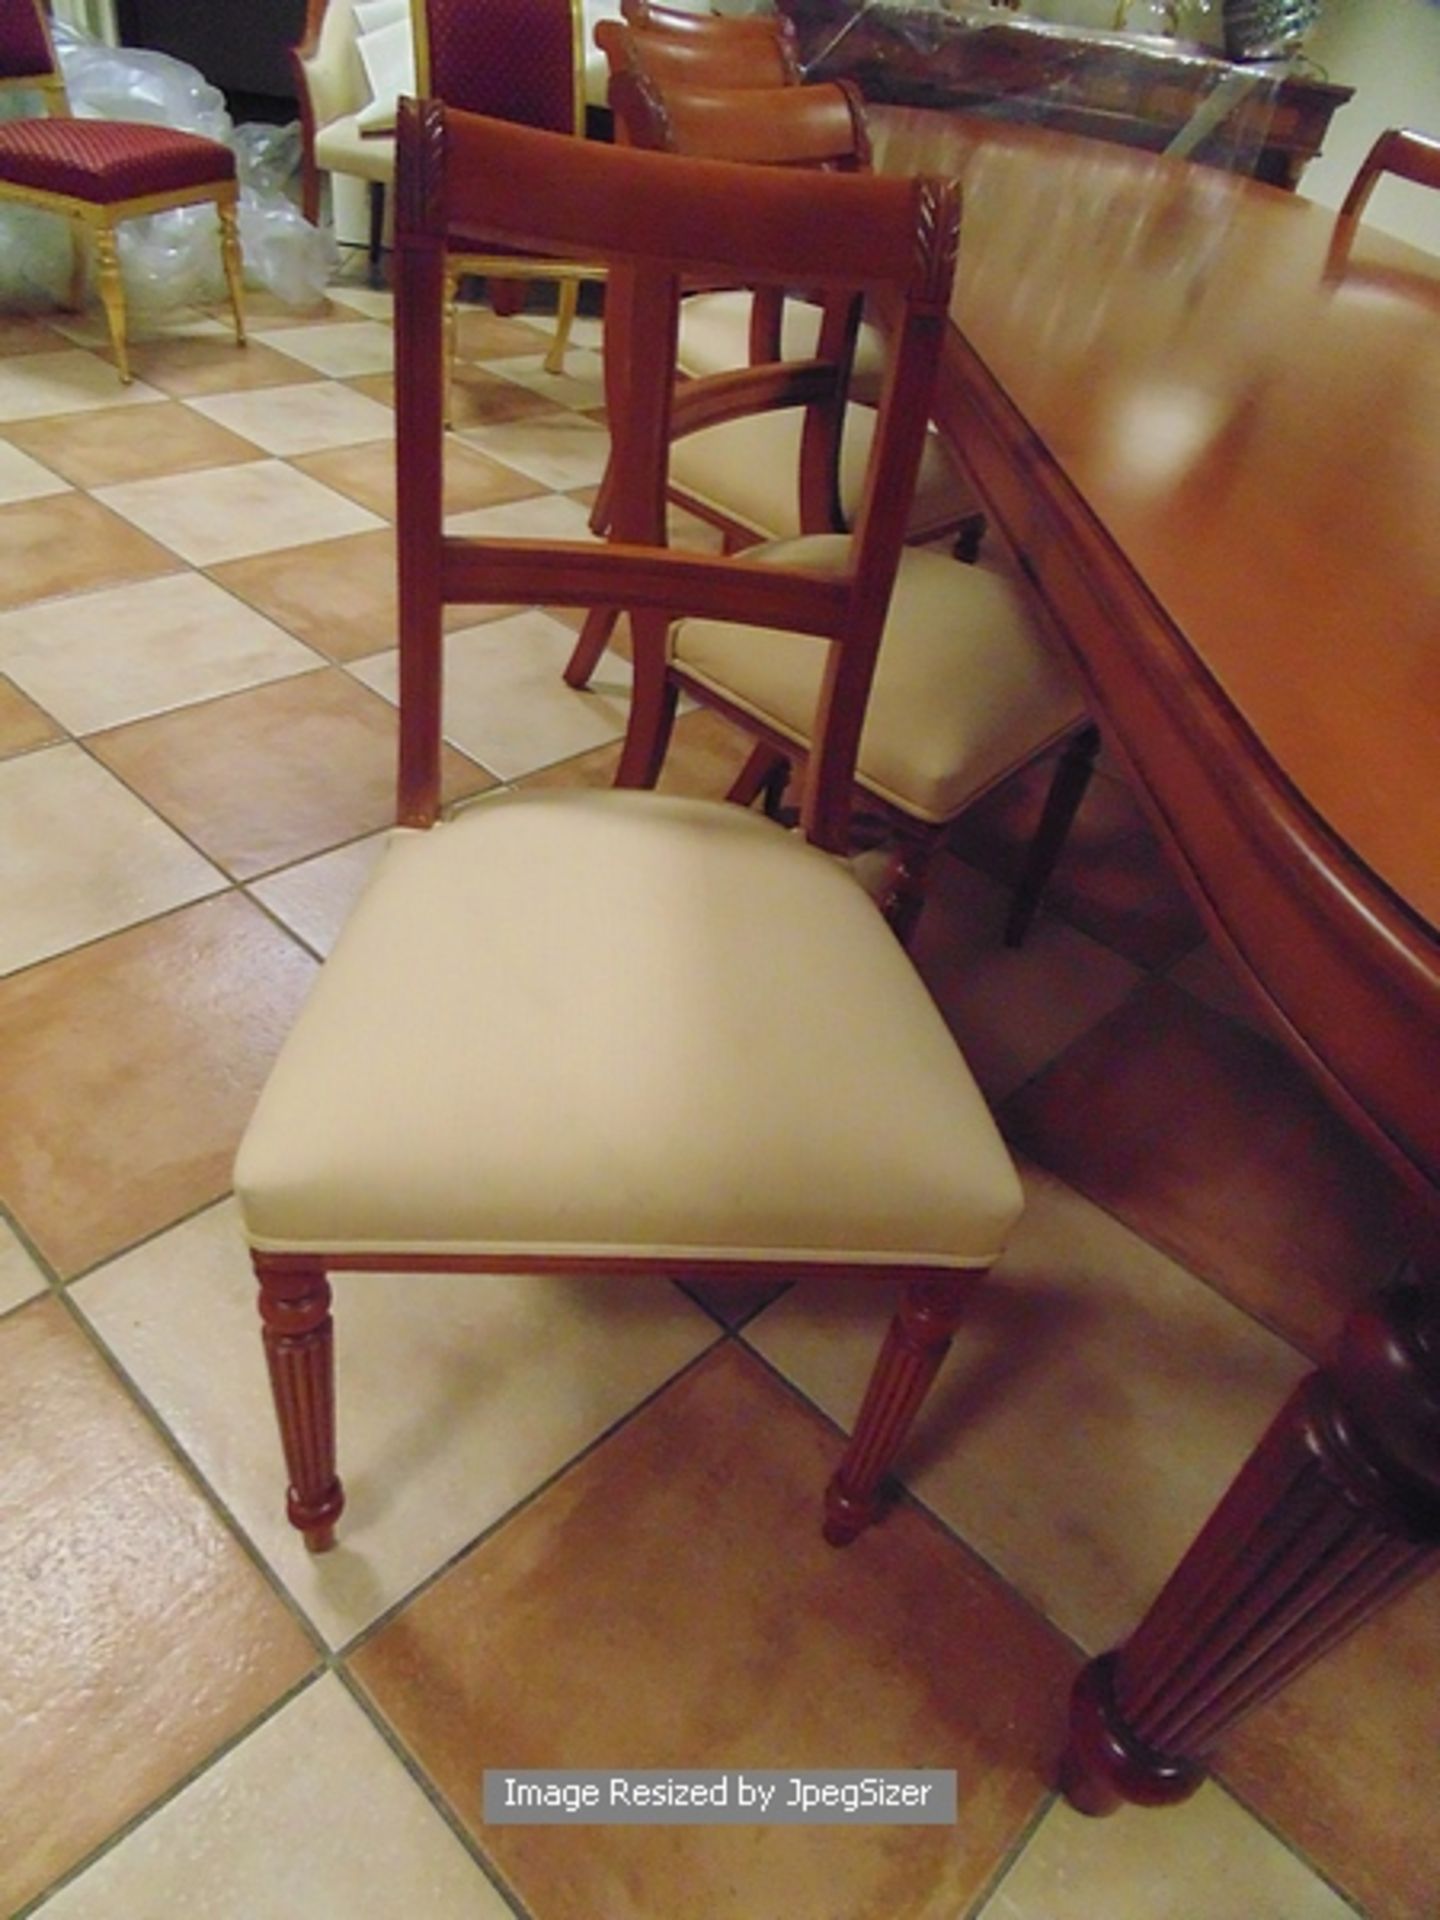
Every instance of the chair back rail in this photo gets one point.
(1401, 151)
(819, 126)
(720, 57)
(661, 223)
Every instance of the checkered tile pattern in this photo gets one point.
(582, 1527)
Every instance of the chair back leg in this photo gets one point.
(567, 301)
(1062, 803)
(232, 262)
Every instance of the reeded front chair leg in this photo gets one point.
(300, 1353)
(112, 294)
(917, 1342)
(233, 263)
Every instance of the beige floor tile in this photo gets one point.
(548, 516)
(336, 595)
(137, 1635)
(301, 419)
(557, 449)
(1207, 1858)
(22, 478)
(22, 724)
(144, 325)
(288, 1823)
(314, 899)
(505, 701)
(483, 335)
(669, 1603)
(20, 1277)
(131, 1068)
(1096, 1404)
(100, 659)
(100, 449)
(35, 385)
(1346, 1762)
(69, 543)
(80, 857)
(221, 515)
(185, 368)
(367, 474)
(458, 1395)
(263, 778)
(1011, 1009)
(581, 385)
(376, 303)
(480, 398)
(705, 755)
(340, 349)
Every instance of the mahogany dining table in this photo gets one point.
(1206, 415)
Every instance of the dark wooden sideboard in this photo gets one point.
(1109, 86)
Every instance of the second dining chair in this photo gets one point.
(745, 1076)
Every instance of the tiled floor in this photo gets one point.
(582, 1518)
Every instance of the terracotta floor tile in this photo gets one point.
(99, 659)
(1012, 1009)
(336, 595)
(214, 365)
(131, 1069)
(1112, 880)
(480, 398)
(705, 755)
(1207, 1141)
(228, 512)
(482, 335)
(458, 1395)
(68, 544)
(669, 1603)
(367, 474)
(1346, 1762)
(263, 778)
(23, 725)
(1206, 1860)
(19, 333)
(137, 1635)
(313, 1788)
(101, 449)
(81, 857)
(1096, 1404)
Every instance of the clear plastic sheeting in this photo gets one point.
(1147, 75)
(169, 259)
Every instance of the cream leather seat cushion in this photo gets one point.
(967, 686)
(715, 336)
(342, 148)
(618, 1023)
(746, 471)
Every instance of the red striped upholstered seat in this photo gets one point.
(108, 160)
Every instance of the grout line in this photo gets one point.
(1012, 1856)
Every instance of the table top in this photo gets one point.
(1263, 444)
(1246, 431)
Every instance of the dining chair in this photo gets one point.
(96, 174)
(333, 94)
(745, 1076)
(1399, 151)
(516, 60)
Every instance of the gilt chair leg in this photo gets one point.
(112, 295)
(917, 1342)
(1062, 803)
(233, 262)
(594, 638)
(566, 307)
(299, 1350)
(75, 297)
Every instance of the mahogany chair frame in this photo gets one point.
(1401, 151)
(457, 172)
(301, 59)
(501, 269)
(98, 218)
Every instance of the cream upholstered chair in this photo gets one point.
(98, 173)
(341, 130)
(745, 1076)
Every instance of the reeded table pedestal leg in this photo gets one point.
(1335, 1513)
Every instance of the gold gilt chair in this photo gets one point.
(516, 60)
(743, 1075)
(98, 173)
